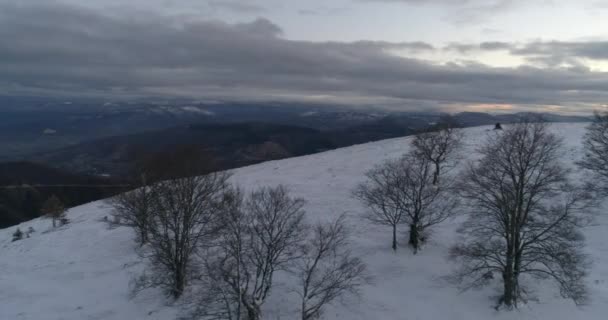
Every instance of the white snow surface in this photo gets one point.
(82, 270)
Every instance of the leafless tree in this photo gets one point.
(596, 148)
(276, 227)
(54, 209)
(133, 208)
(377, 193)
(223, 279)
(184, 219)
(327, 270)
(260, 235)
(218, 297)
(425, 202)
(524, 216)
(440, 147)
(402, 192)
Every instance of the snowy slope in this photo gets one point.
(82, 271)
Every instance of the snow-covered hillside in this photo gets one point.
(82, 271)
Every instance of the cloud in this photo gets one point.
(416, 46)
(483, 46)
(545, 53)
(491, 31)
(465, 12)
(236, 6)
(258, 27)
(72, 50)
(324, 11)
(598, 5)
(595, 50)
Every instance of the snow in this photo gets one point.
(198, 110)
(83, 270)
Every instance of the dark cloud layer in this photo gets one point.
(74, 50)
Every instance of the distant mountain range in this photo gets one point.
(239, 144)
(33, 125)
(82, 145)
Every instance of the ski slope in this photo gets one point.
(82, 271)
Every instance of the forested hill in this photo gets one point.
(24, 186)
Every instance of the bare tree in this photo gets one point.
(223, 279)
(425, 202)
(276, 227)
(327, 270)
(377, 193)
(184, 219)
(54, 209)
(524, 216)
(218, 297)
(439, 147)
(596, 148)
(260, 235)
(133, 208)
(402, 192)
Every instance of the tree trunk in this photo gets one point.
(143, 236)
(304, 297)
(180, 282)
(394, 237)
(54, 222)
(414, 237)
(253, 311)
(436, 174)
(508, 297)
(509, 294)
(516, 269)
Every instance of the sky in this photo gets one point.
(433, 55)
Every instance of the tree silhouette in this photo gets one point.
(54, 209)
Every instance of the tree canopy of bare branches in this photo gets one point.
(276, 227)
(185, 218)
(54, 209)
(425, 202)
(222, 278)
(402, 192)
(524, 216)
(134, 208)
(440, 147)
(261, 234)
(596, 148)
(377, 194)
(327, 270)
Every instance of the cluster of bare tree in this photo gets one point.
(409, 190)
(264, 233)
(524, 212)
(596, 149)
(524, 220)
(199, 228)
(525, 216)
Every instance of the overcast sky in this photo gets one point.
(455, 55)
